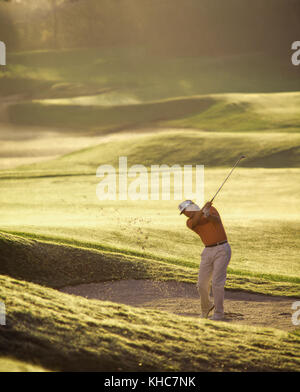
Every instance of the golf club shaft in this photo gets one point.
(237, 162)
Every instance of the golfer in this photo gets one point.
(206, 222)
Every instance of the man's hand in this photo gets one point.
(197, 216)
(205, 209)
(207, 204)
(206, 212)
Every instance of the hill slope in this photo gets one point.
(64, 332)
(274, 112)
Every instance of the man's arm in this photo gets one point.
(212, 215)
(213, 218)
(195, 220)
(198, 217)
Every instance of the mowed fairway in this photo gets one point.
(57, 199)
(55, 231)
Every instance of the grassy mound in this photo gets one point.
(51, 74)
(181, 147)
(8, 364)
(117, 88)
(274, 112)
(64, 208)
(63, 332)
(56, 266)
(60, 234)
(104, 118)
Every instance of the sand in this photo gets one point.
(182, 299)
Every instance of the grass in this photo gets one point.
(148, 77)
(57, 200)
(24, 258)
(39, 261)
(145, 229)
(220, 112)
(273, 112)
(142, 229)
(63, 332)
(103, 118)
(8, 364)
(185, 148)
(55, 232)
(47, 329)
(116, 88)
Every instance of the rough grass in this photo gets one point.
(68, 333)
(103, 118)
(152, 84)
(265, 244)
(58, 265)
(273, 112)
(181, 147)
(56, 200)
(51, 74)
(185, 147)
(10, 364)
(66, 236)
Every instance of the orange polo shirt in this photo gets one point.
(209, 232)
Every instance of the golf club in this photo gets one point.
(237, 162)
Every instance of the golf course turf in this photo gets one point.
(55, 232)
(81, 334)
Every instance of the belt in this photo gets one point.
(218, 243)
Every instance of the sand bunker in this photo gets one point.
(182, 299)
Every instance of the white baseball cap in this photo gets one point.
(189, 204)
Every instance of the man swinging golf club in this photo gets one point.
(206, 222)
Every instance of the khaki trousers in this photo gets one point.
(214, 262)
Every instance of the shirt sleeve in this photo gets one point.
(202, 221)
(188, 223)
(213, 211)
